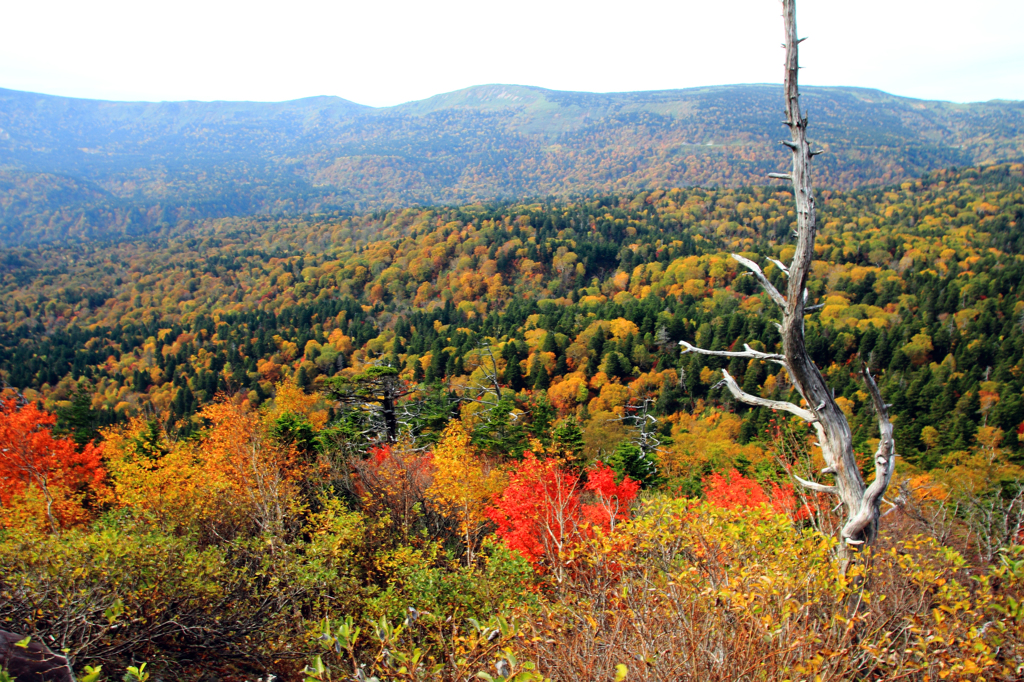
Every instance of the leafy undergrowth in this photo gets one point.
(241, 553)
(691, 591)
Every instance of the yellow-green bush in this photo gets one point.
(688, 591)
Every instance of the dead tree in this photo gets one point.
(860, 501)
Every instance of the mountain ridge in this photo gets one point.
(123, 168)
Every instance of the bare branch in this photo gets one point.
(780, 176)
(817, 487)
(747, 353)
(780, 265)
(768, 286)
(749, 399)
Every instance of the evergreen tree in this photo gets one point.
(629, 460)
(539, 374)
(549, 345)
(542, 412)
(438, 361)
(79, 420)
(568, 437)
(513, 375)
(561, 366)
(501, 433)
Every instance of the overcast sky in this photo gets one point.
(383, 53)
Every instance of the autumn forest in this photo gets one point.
(419, 433)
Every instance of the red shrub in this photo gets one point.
(541, 514)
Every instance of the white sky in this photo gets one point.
(387, 52)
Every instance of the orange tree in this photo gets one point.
(34, 463)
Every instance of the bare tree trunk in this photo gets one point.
(860, 501)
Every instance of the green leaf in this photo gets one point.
(92, 673)
(23, 644)
(114, 611)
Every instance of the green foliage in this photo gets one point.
(568, 437)
(117, 590)
(630, 460)
(91, 673)
(294, 429)
(136, 673)
(446, 588)
(501, 433)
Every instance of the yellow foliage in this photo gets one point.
(614, 395)
(706, 439)
(155, 477)
(620, 328)
(232, 475)
(603, 432)
(695, 288)
(290, 398)
(463, 484)
(566, 394)
(846, 405)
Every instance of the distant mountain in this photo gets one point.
(86, 168)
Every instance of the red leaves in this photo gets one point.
(393, 482)
(30, 457)
(541, 513)
(734, 490)
(611, 500)
(379, 454)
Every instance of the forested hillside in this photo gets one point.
(81, 168)
(462, 442)
(587, 299)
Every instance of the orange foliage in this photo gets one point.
(568, 393)
(33, 463)
(289, 398)
(393, 482)
(234, 474)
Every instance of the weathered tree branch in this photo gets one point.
(817, 487)
(768, 286)
(749, 399)
(885, 461)
(747, 353)
(781, 266)
(862, 503)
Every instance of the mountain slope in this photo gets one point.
(116, 168)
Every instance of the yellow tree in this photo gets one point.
(463, 484)
(234, 475)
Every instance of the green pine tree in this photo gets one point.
(629, 460)
(568, 437)
(539, 374)
(542, 412)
